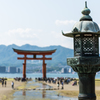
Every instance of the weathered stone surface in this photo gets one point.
(84, 64)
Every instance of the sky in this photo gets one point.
(40, 22)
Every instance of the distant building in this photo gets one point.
(70, 70)
(40, 70)
(18, 70)
(64, 70)
(12, 70)
(2, 69)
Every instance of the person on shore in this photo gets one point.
(5, 83)
(12, 84)
(2, 83)
(58, 84)
(75, 83)
(62, 85)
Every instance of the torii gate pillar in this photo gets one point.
(44, 70)
(24, 67)
(24, 70)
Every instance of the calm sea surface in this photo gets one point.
(34, 75)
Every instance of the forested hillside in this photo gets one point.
(9, 58)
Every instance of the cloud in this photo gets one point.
(99, 25)
(20, 30)
(56, 38)
(37, 37)
(20, 36)
(64, 22)
(22, 33)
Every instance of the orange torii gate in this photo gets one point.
(34, 53)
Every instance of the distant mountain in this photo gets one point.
(9, 58)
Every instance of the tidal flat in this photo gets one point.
(32, 90)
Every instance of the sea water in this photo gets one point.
(36, 75)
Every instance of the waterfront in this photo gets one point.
(36, 75)
(42, 92)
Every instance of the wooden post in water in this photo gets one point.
(24, 67)
(44, 67)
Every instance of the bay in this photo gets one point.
(36, 75)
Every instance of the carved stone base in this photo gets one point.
(86, 67)
(84, 64)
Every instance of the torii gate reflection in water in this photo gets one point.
(34, 53)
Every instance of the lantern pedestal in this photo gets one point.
(86, 67)
(86, 87)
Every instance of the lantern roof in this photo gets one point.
(85, 24)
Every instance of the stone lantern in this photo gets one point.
(86, 61)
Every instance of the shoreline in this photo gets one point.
(69, 90)
(6, 93)
(73, 91)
